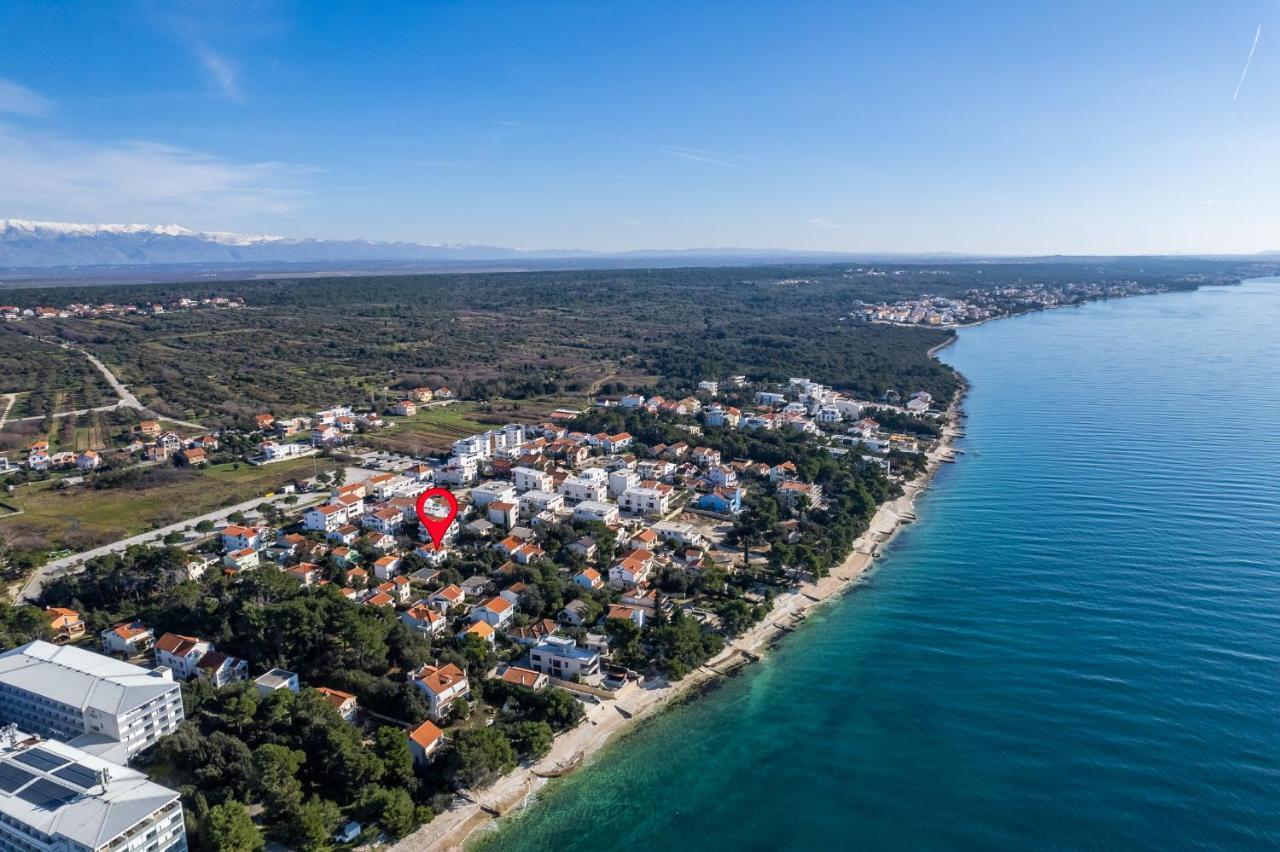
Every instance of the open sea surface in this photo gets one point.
(1078, 646)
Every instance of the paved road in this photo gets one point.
(126, 400)
(54, 567)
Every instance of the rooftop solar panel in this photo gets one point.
(43, 793)
(11, 777)
(41, 759)
(81, 776)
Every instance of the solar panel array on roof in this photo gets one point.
(43, 793)
(41, 759)
(11, 777)
(81, 776)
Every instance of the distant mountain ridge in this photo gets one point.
(26, 244)
(30, 244)
(34, 245)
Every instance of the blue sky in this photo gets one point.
(1013, 127)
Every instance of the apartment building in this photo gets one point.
(111, 708)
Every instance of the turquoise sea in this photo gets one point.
(1078, 646)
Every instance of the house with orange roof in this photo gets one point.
(442, 686)
(347, 534)
(528, 678)
(241, 560)
(479, 628)
(387, 521)
(589, 578)
(632, 570)
(66, 624)
(181, 654)
(381, 599)
(220, 669)
(343, 702)
(193, 456)
(496, 612)
(236, 537)
(305, 573)
(627, 612)
(425, 619)
(325, 519)
(424, 741)
(263, 421)
(398, 587)
(450, 596)
(386, 567)
(128, 638)
(617, 443)
(533, 633)
(527, 553)
(646, 539)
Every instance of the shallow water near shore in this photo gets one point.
(1078, 645)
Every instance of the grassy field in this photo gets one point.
(81, 517)
(432, 430)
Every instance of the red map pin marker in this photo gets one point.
(436, 525)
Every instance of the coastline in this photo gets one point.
(571, 750)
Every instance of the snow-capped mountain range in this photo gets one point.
(27, 244)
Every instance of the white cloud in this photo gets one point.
(221, 71)
(1245, 73)
(45, 176)
(20, 100)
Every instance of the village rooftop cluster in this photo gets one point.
(982, 304)
(634, 513)
(80, 310)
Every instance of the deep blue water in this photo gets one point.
(1077, 647)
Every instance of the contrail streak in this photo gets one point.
(1245, 73)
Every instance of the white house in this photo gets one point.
(684, 535)
(275, 680)
(589, 578)
(129, 638)
(221, 669)
(503, 513)
(442, 686)
(596, 510)
(181, 654)
(424, 741)
(424, 619)
(487, 492)
(622, 479)
(631, 570)
(584, 486)
(496, 612)
(562, 658)
(531, 479)
(387, 521)
(651, 498)
(236, 537)
(537, 500)
(325, 519)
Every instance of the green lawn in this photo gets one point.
(81, 517)
(433, 430)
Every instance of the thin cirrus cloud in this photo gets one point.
(221, 71)
(44, 174)
(16, 99)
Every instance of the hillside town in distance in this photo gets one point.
(978, 305)
(596, 554)
(81, 310)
